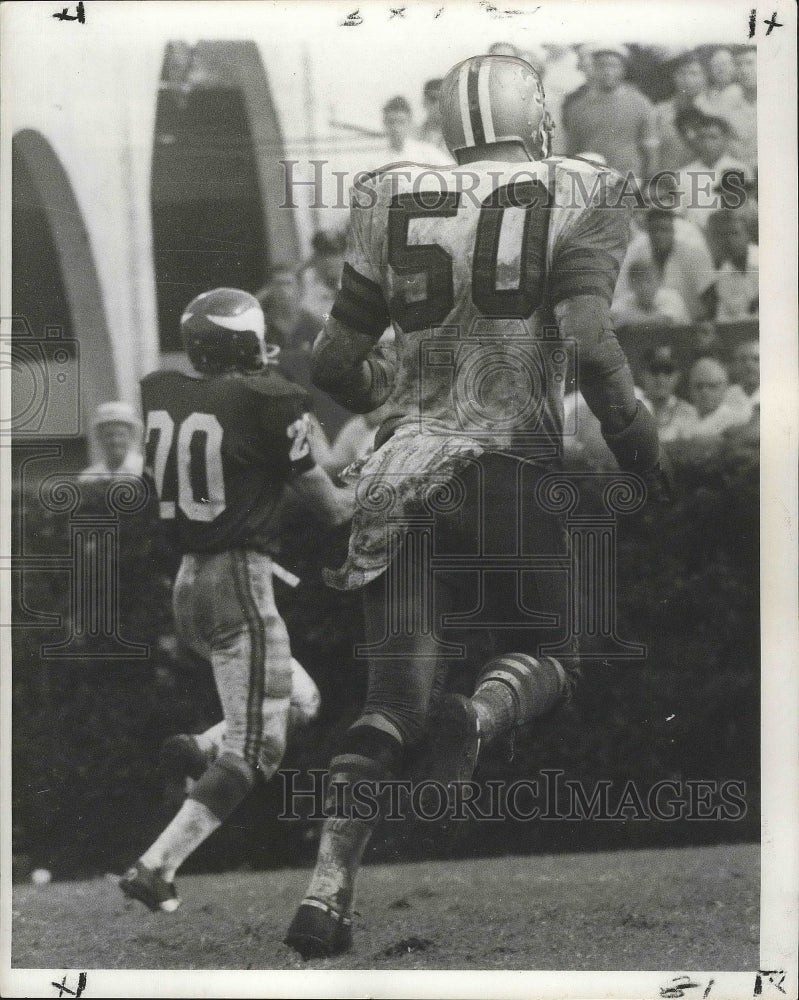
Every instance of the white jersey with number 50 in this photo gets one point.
(467, 264)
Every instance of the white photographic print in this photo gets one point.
(398, 552)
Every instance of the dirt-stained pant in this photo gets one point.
(495, 530)
(225, 611)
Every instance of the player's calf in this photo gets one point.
(516, 688)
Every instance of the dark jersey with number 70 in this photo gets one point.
(220, 451)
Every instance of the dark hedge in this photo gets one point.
(87, 794)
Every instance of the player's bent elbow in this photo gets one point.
(586, 321)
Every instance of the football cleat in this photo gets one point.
(223, 330)
(450, 759)
(488, 99)
(319, 931)
(149, 888)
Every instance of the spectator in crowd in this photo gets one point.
(735, 288)
(503, 49)
(680, 255)
(321, 275)
(648, 301)
(723, 92)
(690, 81)
(291, 326)
(675, 417)
(708, 383)
(400, 146)
(291, 329)
(745, 393)
(743, 117)
(612, 117)
(562, 75)
(118, 433)
(585, 65)
(648, 67)
(700, 184)
(430, 130)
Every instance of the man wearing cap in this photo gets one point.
(118, 433)
(612, 116)
(675, 417)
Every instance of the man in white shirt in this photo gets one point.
(118, 433)
(681, 257)
(745, 394)
(708, 384)
(648, 300)
(737, 275)
(703, 185)
(401, 147)
(676, 418)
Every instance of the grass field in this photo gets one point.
(651, 909)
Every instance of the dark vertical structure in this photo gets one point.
(217, 182)
(63, 363)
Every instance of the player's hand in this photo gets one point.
(346, 503)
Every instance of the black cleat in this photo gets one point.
(319, 931)
(149, 888)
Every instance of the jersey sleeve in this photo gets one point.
(587, 258)
(360, 303)
(285, 420)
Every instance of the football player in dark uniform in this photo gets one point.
(222, 450)
(485, 270)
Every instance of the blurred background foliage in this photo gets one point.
(88, 796)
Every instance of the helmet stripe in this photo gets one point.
(474, 104)
(463, 99)
(484, 100)
(250, 319)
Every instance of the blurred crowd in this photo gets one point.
(679, 122)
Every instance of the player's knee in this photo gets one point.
(272, 742)
(223, 786)
(305, 698)
(537, 684)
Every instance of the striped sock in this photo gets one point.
(515, 688)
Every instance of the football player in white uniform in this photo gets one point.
(485, 270)
(222, 450)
